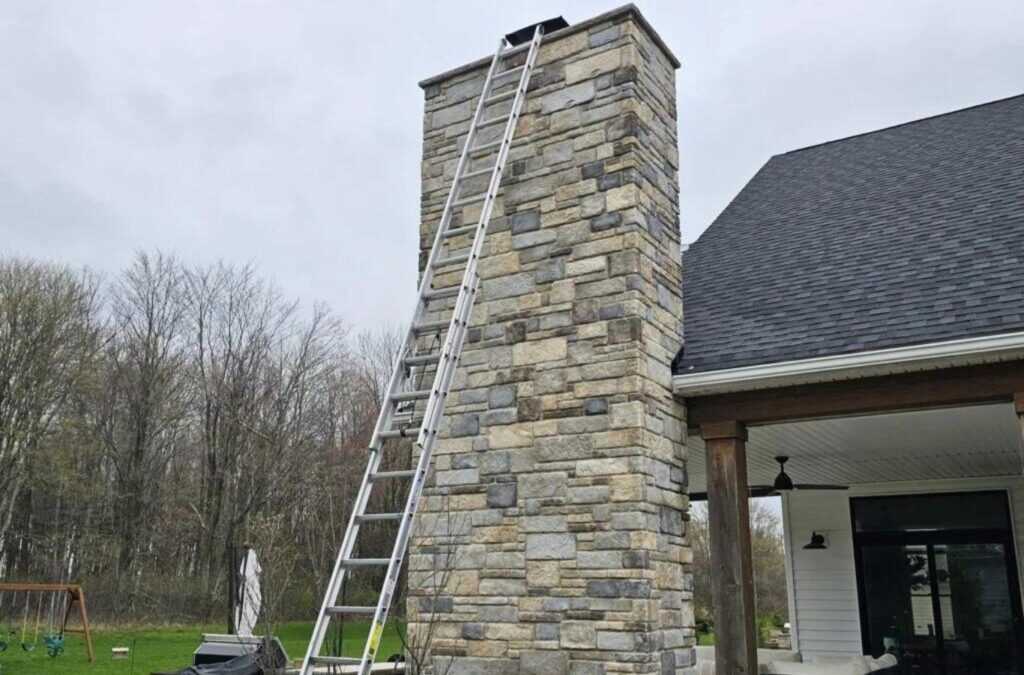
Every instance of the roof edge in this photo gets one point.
(629, 10)
(915, 358)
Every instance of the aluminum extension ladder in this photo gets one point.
(407, 410)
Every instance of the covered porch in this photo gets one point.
(917, 557)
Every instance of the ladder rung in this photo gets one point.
(498, 98)
(487, 147)
(411, 395)
(454, 260)
(422, 359)
(351, 609)
(369, 517)
(366, 562)
(382, 475)
(336, 660)
(431, 326)
(440, 293)
(456, 231)
(479, 172)
(471, 200)
(491, 122)
(507, 73)
(405, 432)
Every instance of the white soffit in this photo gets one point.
(931, 356)
(948, 443)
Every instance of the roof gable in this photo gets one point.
(907, 235)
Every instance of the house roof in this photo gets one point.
(907, 235)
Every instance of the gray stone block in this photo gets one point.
(550, 546)
(465, 425)
(495, 462)
(596, 406)
(525, 221)
(568, 97)
(552, 270)
(501, 396)
(605, 222)
(543, 662)
(603, 37)
(501, 495)
(547, 631)
(473, 631)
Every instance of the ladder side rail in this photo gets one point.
(453, 194)
(338, 574)
(412, 503)
(488, 205)
(386, 413)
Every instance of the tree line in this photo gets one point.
(150, 418)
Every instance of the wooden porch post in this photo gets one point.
(1018, 405)
(732, 566)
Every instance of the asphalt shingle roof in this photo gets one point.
(902, 236)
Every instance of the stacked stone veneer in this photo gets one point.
(557, 502)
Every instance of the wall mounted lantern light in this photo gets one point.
(817, 542)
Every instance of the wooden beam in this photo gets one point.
(732, 564)
(1018, 406)
(910, 391)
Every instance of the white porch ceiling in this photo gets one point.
(922, 445)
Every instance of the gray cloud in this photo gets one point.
(289, 133)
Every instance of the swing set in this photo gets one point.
(63, 598)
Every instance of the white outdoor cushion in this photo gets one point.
(705, 653)
(778, 655)
(885, 661)
(852, 666)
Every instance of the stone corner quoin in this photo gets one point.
(557, 500)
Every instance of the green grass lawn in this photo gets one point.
(155, 649)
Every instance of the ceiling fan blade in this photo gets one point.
(754, 491)
(824, 486)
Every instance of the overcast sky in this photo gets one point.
(288, 132)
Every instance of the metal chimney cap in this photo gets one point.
(525, 34)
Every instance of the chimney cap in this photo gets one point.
(525, 34)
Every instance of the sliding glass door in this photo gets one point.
(942, 599)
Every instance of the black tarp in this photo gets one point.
(253, 663)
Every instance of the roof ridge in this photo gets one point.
(901, 124)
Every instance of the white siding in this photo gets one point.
(823, 584)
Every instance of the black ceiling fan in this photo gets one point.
(782, 483)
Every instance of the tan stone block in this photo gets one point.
(497, 534)
(498, 265)
(586, 389)
(509, 436)
(562, 291)
(629, 414)
(623, 197)
(602, 467)
(486, 648)
(539, 351)
(592, 330)
(592, 66)
(628, 488)
(586, 266)
(589, 140)
(499, 242)
(508, 631)
(542, 573)
(578, 634)
(560, 49)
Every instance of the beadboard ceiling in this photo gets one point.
(923, 445)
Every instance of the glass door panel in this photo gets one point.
(975, 593)
(901, 615)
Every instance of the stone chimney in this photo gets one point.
(556, 513)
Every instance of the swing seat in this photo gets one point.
(54, 644)
(4, 644)
(28, 647)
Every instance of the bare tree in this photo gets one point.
(140, 407)
(47, 337)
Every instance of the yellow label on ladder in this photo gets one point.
(375, 635)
